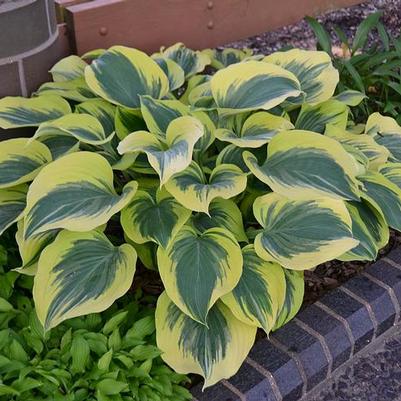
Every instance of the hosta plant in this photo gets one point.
(228, 184)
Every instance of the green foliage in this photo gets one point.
(105, 357)
(229, 185)
(372, 69)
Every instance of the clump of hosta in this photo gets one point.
(229, 185)
(100, 357)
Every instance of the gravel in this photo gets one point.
(300, 35)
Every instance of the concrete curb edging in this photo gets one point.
(323, 337)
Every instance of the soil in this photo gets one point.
(301, 35)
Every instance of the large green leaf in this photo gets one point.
(12, 205)
(252, 85)
(193, 190)
(211, 262)
(302, 164)
(169, 156)
(215, 351)
(21, 112)
(79, 274)
(21, 160)
(314, 70)
(120, 75)
(175, 74)
(301, 234)
(153, 217)
(259, 296)
(74, 192)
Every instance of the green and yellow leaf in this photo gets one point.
(211, 262)
(174, 73)
(194, 191)
(20, 160)
(302, 165)
(21, 112)
(12, 205)
(68, 68)
(257, 130)
(76, 90)
(294, 296)
(392, 171)
(259, 296)
(386, 132)
(223, 58)
(315, 118)
(350, 97)
(189, 60)
(121, 75)
(375, 153)
(369, 228)
(79, 274)
(252, 85)
(170, 156)
(385, 195)
(314, 70)
(215, 351)
(301, 234)
(127, 121)
(76, 193)
(83, 127)
(153, 217)
(223, 213)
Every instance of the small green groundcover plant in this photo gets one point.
(106, 357)
(373, 69)
(229, 181)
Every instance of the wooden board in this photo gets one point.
(149, 24)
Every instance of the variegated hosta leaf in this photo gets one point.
(369, 228)
(314, 70)
(83, 127)
(392, 171)
(294, 295)
(252, 85)
(223, 58)
(302, 164)
(209, 126)
(81, 273)
(74, 192)
(102, 110)
(121, 75)
(350, 97)
(386, 132)
(20, 160)
(158, 114)
(12, 205)
(200, 97)
(259, 296)
(170, 156)
(385, 195)
(175, 74)
(153, 217)
(223, 213)
(301, 234)
(189, 60)
(21, 112)
(197, 269)
(146, 253)
(93, 54)
(257, 130)
(232, 154)
(30, 249)
(375, 153)
(76, 90)
(315, 118)
(127, 121)
(215, 351)
(60, 145)
(193, 190)
(192, 83)
(68, 68)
